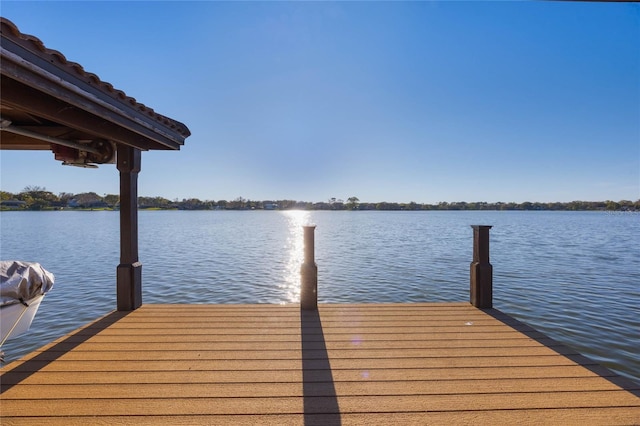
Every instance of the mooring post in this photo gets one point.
(309, 272)
(481, 292)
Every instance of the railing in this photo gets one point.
(480, 277)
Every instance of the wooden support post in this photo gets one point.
(481, 292)
(309, 272)
(129, 272)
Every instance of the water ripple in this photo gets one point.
(573, 275)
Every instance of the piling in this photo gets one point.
(481, 277)
(309, 272)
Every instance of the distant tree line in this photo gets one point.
(38, 198)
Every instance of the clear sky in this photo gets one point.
(385, 101)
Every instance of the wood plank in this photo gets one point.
(270, 323)
(195, 355)
(347, 404)
(343, 331)
(289, 376)
(588, 416)
(360, 388)
(144, 363)
(361, 343)
(250, 351)
(211, 334)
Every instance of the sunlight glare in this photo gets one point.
(295, 246)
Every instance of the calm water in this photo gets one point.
(573, 275)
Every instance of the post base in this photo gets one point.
(309, 286)
(481, 291)
(129, 286)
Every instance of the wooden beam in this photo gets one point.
(19, 142)
(29, 100)
(129, 272)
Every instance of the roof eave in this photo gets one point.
(78, 99)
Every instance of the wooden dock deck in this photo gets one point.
(427, 363)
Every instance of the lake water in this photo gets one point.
(572, 275)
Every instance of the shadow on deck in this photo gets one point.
(564, 351)
(32, 365)
(319, 391)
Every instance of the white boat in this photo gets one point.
(23, 285)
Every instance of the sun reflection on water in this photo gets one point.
(295, 246)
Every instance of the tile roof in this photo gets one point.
(55, 58)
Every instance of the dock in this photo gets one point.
(296, 364)
(422, 363)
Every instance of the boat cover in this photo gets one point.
(22, 281)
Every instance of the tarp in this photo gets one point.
(22, 281)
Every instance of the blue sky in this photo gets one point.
(386, 101)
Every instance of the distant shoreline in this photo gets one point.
(70, 209)
(38, 198)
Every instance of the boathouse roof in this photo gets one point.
(47, 100)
